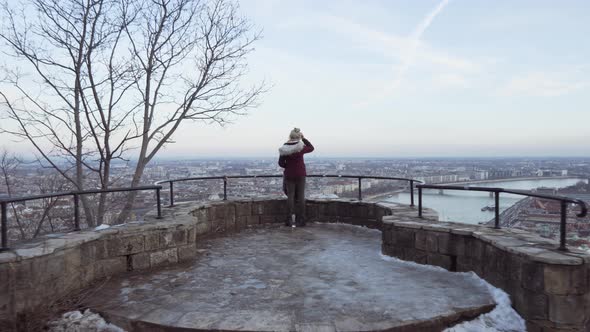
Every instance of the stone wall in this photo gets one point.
(550, 289)
(52, 268)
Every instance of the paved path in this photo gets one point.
(324, 277)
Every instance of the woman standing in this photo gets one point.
(291, 159)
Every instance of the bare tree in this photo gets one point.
(9, 163)
(106, 76)
(191, 56)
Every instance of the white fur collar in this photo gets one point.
(288, 149)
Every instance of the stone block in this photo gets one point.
(474, 248)
(432, 240)
(570, 309)
(415, 255)
(333, 209)
(253, 220)
(203, 228)
(73, 265)
(166, 238)
(191, 234)
(465, 264)
(164, 257)
(387, 250)
(110, 266)
(443, 261)
(241, 222)
(211, 213)
(180, 237)
(421, 240)
(267, 219)
(279, 207)
(529, 304)
(322, 210)
(243, 209)
(373, 224)
(187, 252)
(87, 273)
(258, 208)
(218, 226)
(151, 241)
(566, 279)
(230, 219)
(47, 267)
(387, 236)
(451, 244)
(23, 272)
(404, 238)
(201, 214)
(394, 251)
(514, 267)
(358, 221)
(311, 211)
(363, 211)
(371, 211)
(221, 211)
(140, 261)
(346, 220)
(131, 245)
(532, 276)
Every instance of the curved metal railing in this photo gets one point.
(562, 199)
(76, 197)
(225, 179)
(157, 187)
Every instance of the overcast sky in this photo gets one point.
(413, 78)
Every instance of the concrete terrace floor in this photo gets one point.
(324, 277)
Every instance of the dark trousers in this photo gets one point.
(296, 196)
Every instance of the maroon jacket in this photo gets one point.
(291, 158)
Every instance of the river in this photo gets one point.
(465, 206)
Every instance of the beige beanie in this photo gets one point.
(295, 134)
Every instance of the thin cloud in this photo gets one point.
(542, 84)
(410, 54)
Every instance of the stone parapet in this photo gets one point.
(549, 288)
(50, 268)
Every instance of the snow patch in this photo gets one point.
(323, 196)
(502, 319)
(101, 227)
(76, 321)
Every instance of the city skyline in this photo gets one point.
(396, 79)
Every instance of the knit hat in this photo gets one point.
(295, 134)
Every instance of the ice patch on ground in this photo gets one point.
(349, 226)
(101, 227)
(502, 319)
(76, 321)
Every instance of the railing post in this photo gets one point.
(497, 209)
(225, 188)
(171, 193)
(562, 226)
(159, 203)
(4, 227)
(76, 212)
(360, 190)
(420, 202)
(411, 193)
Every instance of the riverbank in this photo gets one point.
(529, 178)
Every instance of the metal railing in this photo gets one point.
(76, 198)
(496, 191)
(157, 187)
(227, 177)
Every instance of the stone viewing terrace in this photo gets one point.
(231, 266)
